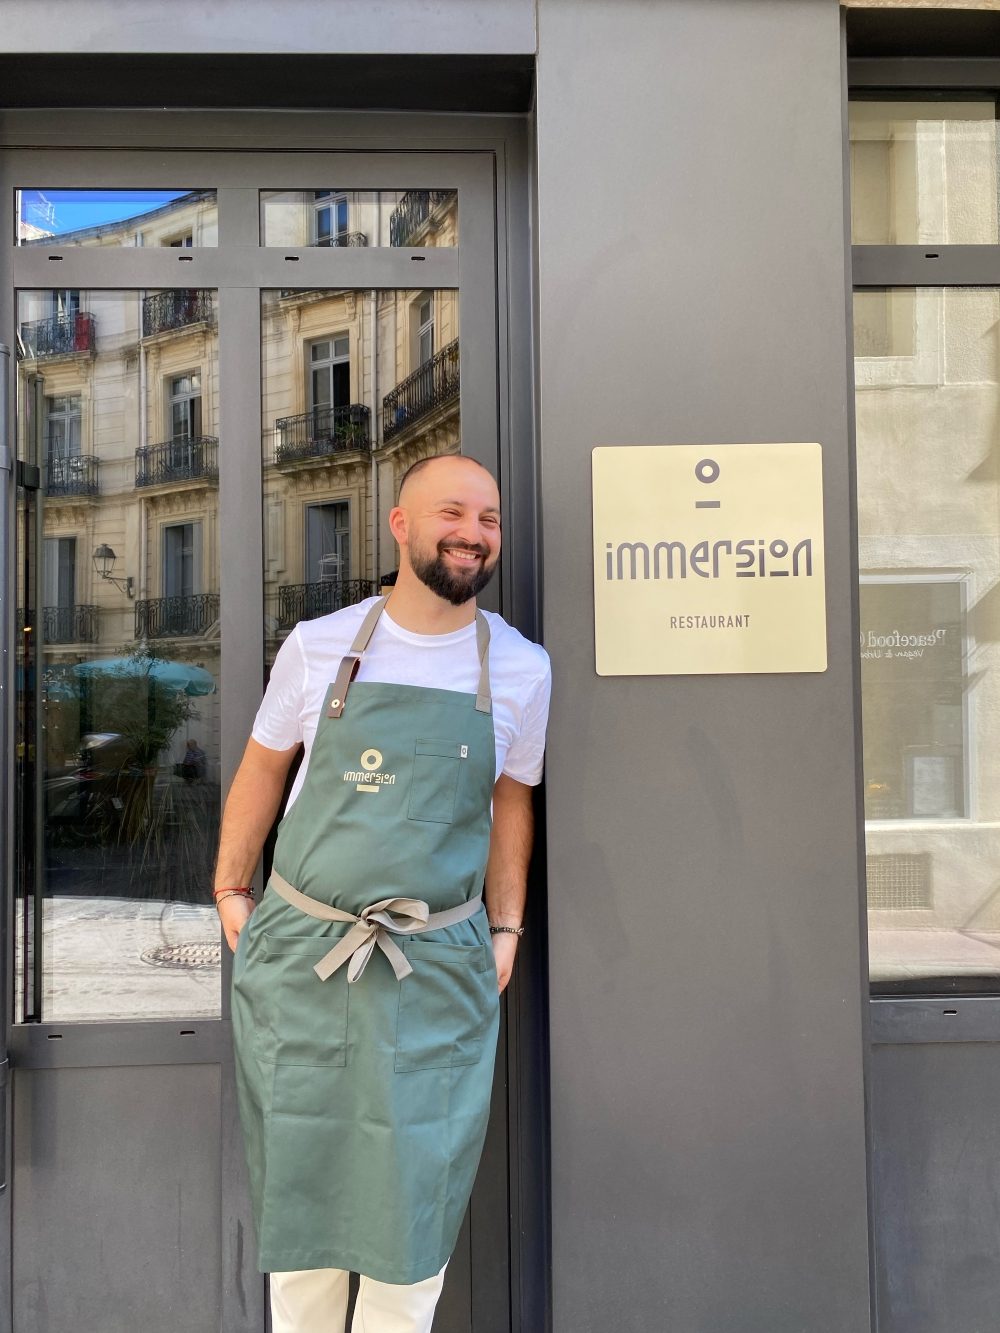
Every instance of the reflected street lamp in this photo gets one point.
(104, 563)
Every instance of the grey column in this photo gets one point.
(708, 1132)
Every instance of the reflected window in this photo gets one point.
(330, 373)
(59, 572)
(923, 173)
(424, 321)
(185, 406)
(330, 218)
(63, 423)
(328, 542)
(181, 547)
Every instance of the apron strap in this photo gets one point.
(374, 927)
(348, 668)
(484, 698)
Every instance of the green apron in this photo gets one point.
(365, 1006)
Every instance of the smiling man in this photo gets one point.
(366, 984)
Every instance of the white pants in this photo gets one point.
(314, 1300)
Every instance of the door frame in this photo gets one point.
(487, 160)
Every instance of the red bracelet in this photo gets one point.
(234, 889)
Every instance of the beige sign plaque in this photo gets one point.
(708, 559)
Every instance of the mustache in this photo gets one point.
(475, 548)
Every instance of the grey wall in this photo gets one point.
(708, 1141)
(190, 27)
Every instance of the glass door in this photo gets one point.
(213, 408)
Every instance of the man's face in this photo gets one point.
(453, 528)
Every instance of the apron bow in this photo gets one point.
(375, 927)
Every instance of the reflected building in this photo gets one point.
(928, 458)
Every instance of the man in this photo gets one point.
(366, 984)
(194, 762)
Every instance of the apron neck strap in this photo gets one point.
(349, 664)
(484, 697)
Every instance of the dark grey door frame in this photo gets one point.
(486, 162)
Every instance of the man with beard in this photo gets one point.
(366, 984)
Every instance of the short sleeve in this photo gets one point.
(278, 724)
(526, 755)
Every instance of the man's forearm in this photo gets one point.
(510, 853)
(251, 809)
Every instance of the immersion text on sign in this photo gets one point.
(708, 559)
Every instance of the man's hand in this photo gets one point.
(504, 953)
(234, 913)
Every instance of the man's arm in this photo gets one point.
(251, 808)
(507, 867)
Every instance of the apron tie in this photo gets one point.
(375, 927)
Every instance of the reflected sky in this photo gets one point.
(60, 211)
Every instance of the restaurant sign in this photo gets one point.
(708, 559)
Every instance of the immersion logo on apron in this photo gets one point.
(370, 777)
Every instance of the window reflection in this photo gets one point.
(109, 218)
(357, 386)
(121, 414)
(923, 173)
(337, 218)
(929, 525)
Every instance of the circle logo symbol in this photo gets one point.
(707, 470)
(371, 759)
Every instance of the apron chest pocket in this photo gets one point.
(445, 1005)
(434, 786)
(298, 1019)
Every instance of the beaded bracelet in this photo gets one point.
(507, 930)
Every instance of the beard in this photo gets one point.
(454, 585)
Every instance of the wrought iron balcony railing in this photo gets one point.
(176, 617)
(72, 474)
(175, 310)
(350, 239)
(324, 430)
(413, 210)
(62, 335)
(65, 624)
(431, 385)
(306, 601)
(69, 624)
(177, 460)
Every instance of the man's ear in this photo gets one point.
(397, 524)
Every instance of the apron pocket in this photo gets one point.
(445, 1005)
(298, 1019)
(434, 785)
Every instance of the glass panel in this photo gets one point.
(928, 395)
(118, 746)
(923, 173)
(177, 218)
(338, 218)
(350, 400)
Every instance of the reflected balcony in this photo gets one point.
(322, 432)
(176, 617)
(432, 385)
(176, 461)
(62, 335)
(306, 601)
(417, 208)
(166, 311)
(66, 624)
(72, 475)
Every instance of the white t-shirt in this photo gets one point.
(520, 679)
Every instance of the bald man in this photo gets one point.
(366, 984)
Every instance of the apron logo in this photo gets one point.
(368, 778)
